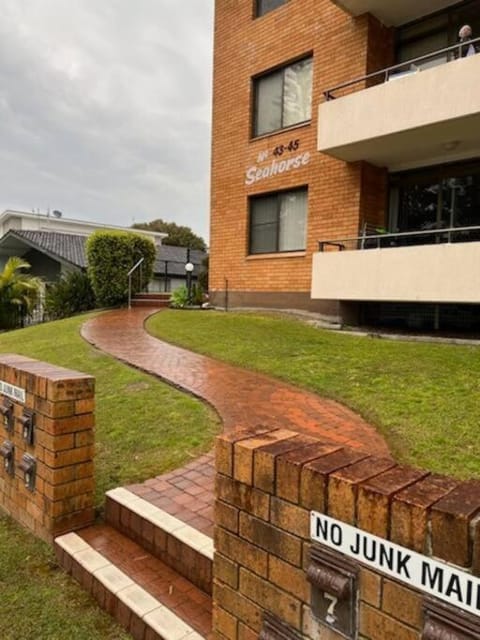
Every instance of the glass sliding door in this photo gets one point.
(442, 197)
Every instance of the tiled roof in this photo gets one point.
(71, 248)
(64, 245)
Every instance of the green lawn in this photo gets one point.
(41, 602)
(424, 398)
(143, 428)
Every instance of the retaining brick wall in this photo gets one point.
(62, 402)
(267, 483)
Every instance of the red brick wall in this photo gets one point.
(339, 195)
(267, 483)
(63, 406)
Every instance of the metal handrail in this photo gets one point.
(341, 242)
(129, 274)
(386, 72)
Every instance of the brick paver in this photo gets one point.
(242, 398)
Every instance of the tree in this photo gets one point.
(110, 256)
(19, 293)
(178, 235)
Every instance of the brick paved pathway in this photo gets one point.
(242, 399)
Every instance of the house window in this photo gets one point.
(278, 222)
(283, 98)
(264, 6)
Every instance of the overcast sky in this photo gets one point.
(105, 109)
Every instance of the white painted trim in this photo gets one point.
(183, 532)
(156, 615)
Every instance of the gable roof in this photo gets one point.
(70, 248)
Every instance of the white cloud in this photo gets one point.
(105, 108)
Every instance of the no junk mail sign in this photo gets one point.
(438, 579)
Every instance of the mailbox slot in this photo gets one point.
(7, 453)
(29, 467)
(334, 593)
(275, 629)
(444, 622)
(6, 410)
(28, 426)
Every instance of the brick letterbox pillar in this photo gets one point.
(47, 446)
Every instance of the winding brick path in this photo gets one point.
(242, 398)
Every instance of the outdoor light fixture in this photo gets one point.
(29, 467)
(7, 452)
(189, 267)
(28, 426)
(6, 409)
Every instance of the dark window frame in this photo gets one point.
(278, 194)
(257, 8)
(254, 97)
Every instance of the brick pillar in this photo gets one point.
(62, 402)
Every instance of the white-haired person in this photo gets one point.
(465, 35)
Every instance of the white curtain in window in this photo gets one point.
(293, 216)
(297, 93)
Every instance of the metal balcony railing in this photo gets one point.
(409, 66)
(405, 239)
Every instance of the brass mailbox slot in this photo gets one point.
(275, 629)
(28, 426)
(6, 409)
(29, 467)
(334, 593)
(7, 452)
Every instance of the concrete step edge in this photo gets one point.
(182, 531)
(145, 607)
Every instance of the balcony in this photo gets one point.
(389, 268)
(413, 118)
(394, 12)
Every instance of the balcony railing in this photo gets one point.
(409, 66)
(404, 239)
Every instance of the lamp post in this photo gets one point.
(189, 268)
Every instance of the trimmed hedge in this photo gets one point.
(110, 256)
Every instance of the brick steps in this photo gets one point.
(173, 541)
(149, 302)
(147, 597)
(145, 299)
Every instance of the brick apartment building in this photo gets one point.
(359, 200)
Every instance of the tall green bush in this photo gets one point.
(110, 256)
(71, 294)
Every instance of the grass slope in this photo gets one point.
(143, 428)
(423, 397)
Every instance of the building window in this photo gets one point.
(278, 222)
(283, 98)
(264, 6)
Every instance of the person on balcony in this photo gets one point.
(467, 48)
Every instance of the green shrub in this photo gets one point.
(179, 298)
(72, 294)
(111, 255)
(197, 294)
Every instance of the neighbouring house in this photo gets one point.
(54, 246)
(346, 160)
